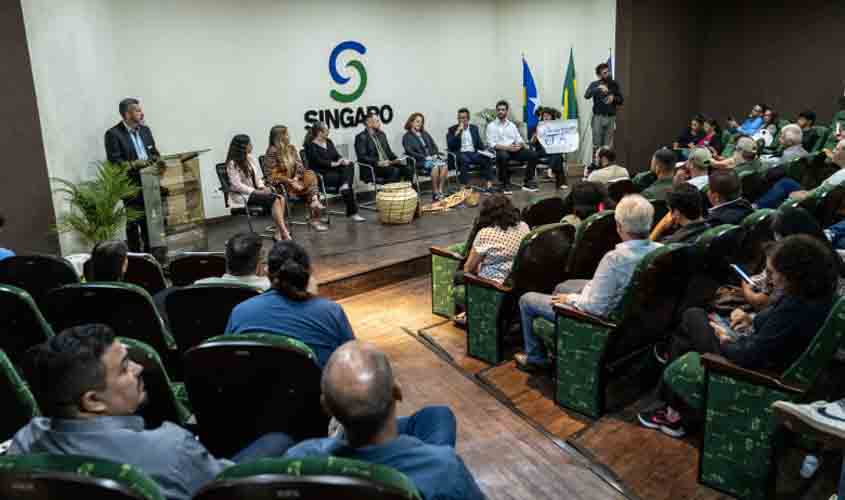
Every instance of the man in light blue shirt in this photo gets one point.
(600, 295)
(750, 125)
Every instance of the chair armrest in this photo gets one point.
(443, 252)
(719, 364)
(470, 278)
(573, 313)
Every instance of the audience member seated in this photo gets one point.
(464, 141)
(289, 309)
(373, 148)
(337, 172)
(283, 168)
(744, 157)
(504, 137)
(751, 124)
(4, 252)
(726, 202)
(809, 135)
(788, 187)
(588, 198)
(804, 271)
(554, 160)
(359, 391)
(420, 146)
(711, 136)
(689, 138)
(685, 213)
(791, 138)
(600, 295)
(694, 170)
(608, 170)
(108, 261)
(770, 122)
(663, 166)
(89, 390)
(248, 189)
(243, 263)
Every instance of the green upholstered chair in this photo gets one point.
(824, 203)
(644, 179)
(588, 350)
(758, 230)
(719, 247)
(830, 144)
(729, 149)
(309, 479)
(21, 323)
(188, 267)
(37, 274)
(737, 452)
(444, 264)
(594, 237)
(19, 405)
(539, 265)
(166, 400)
(543, 211)
(823, 135)
(145, 271)
(43, 476)
(245, 385)
(128, 309)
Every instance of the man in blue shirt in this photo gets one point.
(752, 124)
(290, 309)
(359, 391)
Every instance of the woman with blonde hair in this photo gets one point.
(420, 146)
(283, 168)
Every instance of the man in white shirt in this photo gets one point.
(694, 171)
(243, 258)
(504, 137)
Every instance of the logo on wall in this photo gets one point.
(354, 64)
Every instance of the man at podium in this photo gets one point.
(131, 141)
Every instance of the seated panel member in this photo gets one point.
(464, 141)
(555, 160)
(504, 137)
(132, 141)
(359, 391)
(89, 390)
(248, 189)
(373, 148)
(598, 296)
(337, 172)
(420, 146)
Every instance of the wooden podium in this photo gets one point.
(173, 203)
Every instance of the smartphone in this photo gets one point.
(745, 278)
(724, 324)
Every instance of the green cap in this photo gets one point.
(701, 157)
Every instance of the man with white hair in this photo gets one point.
(791, 137)
(600, 295)
(789, 188)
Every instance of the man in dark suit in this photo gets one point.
(131, 142)
(464, 141)
(372, 148)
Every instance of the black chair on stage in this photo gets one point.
(145, 271)
(246, 385)
(325, 195)
(37, 274)
(188, 267)
(21, 323)
(189, 326)
(249, 212)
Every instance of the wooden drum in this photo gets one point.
(396, 203)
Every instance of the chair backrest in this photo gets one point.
(594, 237)
(21, 323)
(198, 312)
(303, 155)
(37, 274)
(223, 177)
(310, 478)
(822, 348)
(829, 203)
(187, 268)
(752, 184)
(617, 190)
(126, 308)
(540, 262)
(145, 271)
(162, 403)
(19, 405)
(661, 208)
(544, 211)
(246, 385)
(644, 179)
(41, 476)
(823, 134)
(757, 227)
(717, 248)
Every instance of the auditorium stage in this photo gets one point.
(355, 257)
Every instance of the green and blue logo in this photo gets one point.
(354, 64)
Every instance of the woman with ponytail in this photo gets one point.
(291, 307)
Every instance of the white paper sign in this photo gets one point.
(559, 136)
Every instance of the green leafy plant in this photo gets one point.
(94, 210)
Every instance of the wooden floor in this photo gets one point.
(509, 457)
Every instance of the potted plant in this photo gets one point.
(95, 213)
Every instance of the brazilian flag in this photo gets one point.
(570, 96)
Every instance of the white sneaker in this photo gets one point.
(357, 218)
(823, 416)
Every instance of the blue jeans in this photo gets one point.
(435, 425)
(468, 158)
(778, 193)
(533, 305)
(274, 444)
(836, 233)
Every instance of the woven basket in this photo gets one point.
(396, 203)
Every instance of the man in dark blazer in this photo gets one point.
(464, 141)
(131, 142)
(372, 148)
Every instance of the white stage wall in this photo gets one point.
(207, 70)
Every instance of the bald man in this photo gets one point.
(359, 392)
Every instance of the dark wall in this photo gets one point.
(25, 197)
